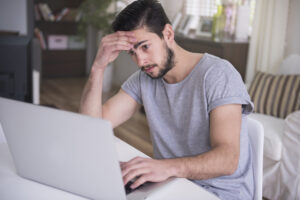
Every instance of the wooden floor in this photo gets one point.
(65, 93)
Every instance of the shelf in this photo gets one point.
(63, 56)
(60, 4)
(57, 28)
(207, 40)
(235, 52)
(63, 63)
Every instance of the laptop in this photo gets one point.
(65, 150)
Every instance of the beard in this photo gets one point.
(167, 65)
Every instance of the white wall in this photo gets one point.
(13, 16)
(293, 29)
(123, 68)
(172, 7)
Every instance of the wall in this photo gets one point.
(172, 8)
(13, 15)
(123, 68)
(293, 29)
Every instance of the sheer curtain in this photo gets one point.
(268, 37)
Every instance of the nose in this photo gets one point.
(141, 59)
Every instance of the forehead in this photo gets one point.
(143, 34)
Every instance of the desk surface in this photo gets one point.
(13, 187)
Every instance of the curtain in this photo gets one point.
(267, 42)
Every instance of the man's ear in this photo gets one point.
(168, 34)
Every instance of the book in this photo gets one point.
(62, 14)
(40, 36)
(76, 42)
(71, 15)
(49, 12)
(42, 11)
(37, 14)
(58, 42)
(46, 12)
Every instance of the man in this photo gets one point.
(196, 105)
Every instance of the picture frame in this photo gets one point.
(205, 26)
(176, 21)
(184, 25)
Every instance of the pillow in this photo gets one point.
(276, 95)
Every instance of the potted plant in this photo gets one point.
(97, 14)
(95, 21)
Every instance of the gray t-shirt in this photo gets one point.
(178, 116)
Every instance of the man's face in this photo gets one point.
(152, 54)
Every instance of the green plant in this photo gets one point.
(94, 13)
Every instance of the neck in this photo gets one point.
(185, 62)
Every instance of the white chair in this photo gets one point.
(2, 136)
(256, 137)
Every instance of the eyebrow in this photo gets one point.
(139, 43)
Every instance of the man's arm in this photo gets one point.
(222, 159)
(120, 107)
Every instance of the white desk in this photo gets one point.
(13, 187)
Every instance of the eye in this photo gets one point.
(131, 52)
(145, 46)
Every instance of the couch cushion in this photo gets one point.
(273, 128)
(276, 95)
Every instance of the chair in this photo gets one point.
(256, 138)
(2, 137)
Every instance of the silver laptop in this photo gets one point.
(66, 150)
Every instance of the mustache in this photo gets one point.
(147, 66)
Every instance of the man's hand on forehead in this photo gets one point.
(124, 36)
(121, 36)
(129, 35)
(111, 45)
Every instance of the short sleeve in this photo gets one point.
(132, 86)
(224, 85)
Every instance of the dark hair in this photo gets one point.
(142, 13)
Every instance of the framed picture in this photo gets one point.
(176, 21)
(205, 26)
(185, 24)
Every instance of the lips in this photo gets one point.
(149, 68)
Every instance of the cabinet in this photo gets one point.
(16, 59)
(61, 63)
(15, 68)
(235, 52)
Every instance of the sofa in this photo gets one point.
(281, 161)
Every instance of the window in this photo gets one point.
(121, 4)
(208, 8)
(200, 7)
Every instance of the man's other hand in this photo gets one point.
(145, 170)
